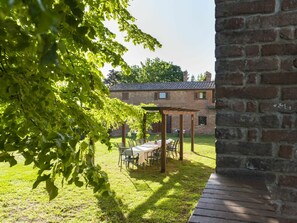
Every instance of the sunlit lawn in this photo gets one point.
(140, 195)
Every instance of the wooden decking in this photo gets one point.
(233, 200)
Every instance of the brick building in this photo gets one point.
(256, 93)
(191, 95)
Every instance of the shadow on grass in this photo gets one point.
(208, 157)
(180, 189)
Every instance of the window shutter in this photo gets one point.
(195, 95)
(156, 96)
(167, 96)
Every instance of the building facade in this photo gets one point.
(190, 95)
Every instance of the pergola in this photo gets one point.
(164, 111)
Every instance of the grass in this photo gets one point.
(139, 195)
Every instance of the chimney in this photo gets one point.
(207, 76)
(185, 76)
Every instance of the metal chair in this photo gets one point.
(154, 157)
(121, 150)
(130, 157)
(172, 148)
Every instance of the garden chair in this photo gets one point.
(172, 148)
(154, 157)
(130, 157)
(121, 150)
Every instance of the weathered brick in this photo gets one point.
(252, 51)
(228, 51)
(287, 78)
(253, 135)
(221, 104)
(265, 22)
(289, 209)
(252, 92)
(244, 37)
(279, 135)
(228, 133)
(251, 78)
(279, 49)
(285, 166)
(259, 164)
(282, 107)
(288, 5)
(269, 121)
(238, 106)
(237, 120)
(228, 162)
(229, 24)
(244, 148)
(289, 93)
(286, 34)
(288, 64)
(245, 8)
(285, 151)
(251, 106)
(288, 122)
(261, 64)
(229, 78)
(288, 194)
(225, 66)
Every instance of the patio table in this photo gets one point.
(144, 149)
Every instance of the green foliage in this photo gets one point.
(53, 103)
(152, 70)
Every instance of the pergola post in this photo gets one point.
(124, 135)
(144, 127)
(181, 137)
(163, 146)
(192, 132)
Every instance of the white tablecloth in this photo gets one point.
(145, 149)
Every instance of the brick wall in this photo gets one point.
(256, 90)
(180, 99)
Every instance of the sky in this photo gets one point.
(185, 28)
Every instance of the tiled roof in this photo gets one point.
(193, 85)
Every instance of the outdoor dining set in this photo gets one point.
(140, 153)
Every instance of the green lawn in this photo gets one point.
(140, 195)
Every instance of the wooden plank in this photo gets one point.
(259, 206)
(235, 216)
(232, 198)
(203, 219)
(242, 194)
(238, 189)
(246, 182)
(235, 209)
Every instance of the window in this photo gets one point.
(125, 96)
(199, 95)
(202, 120)
(161, 95)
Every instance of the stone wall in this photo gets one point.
(180, 99)
(256, 94)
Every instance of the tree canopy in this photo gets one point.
(152, 70)
(53, 103)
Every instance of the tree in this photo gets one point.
(192, 78)
(152, 70)
(201, 77)
(53, 103)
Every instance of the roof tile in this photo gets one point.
(193, 85)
